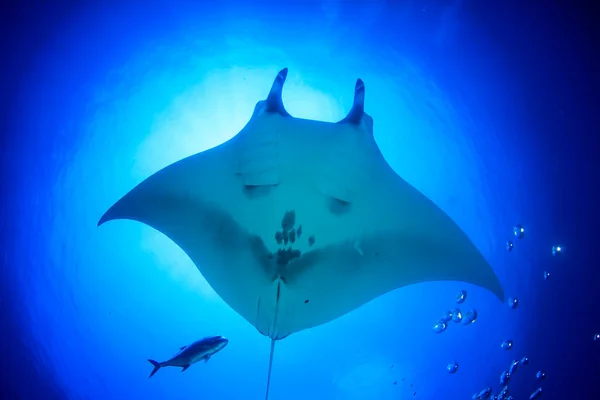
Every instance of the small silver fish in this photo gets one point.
(187, 355)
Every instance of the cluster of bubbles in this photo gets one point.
(505, 378)
(468, 317)
(557, 250)
(513, 303)
(519, 233)
(456, 315)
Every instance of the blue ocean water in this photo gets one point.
(491, 110)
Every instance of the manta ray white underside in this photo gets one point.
(296, 222)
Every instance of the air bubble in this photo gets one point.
(513, 367)
(507, 345)
(504, 378)
(540, 376)
(447, 316)
(484, 394)
(439, 326)
(469, 316)
(546, 275)
(557, 250)
(452, 367)
(536, 394)
(509, 245)
(456, 315)
(519, 231)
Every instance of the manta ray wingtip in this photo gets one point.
(274, 102)
(109, 215)
(357, 111)
(494, 285)
(499, 292)
(104, 218)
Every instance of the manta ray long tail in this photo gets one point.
(270, 367)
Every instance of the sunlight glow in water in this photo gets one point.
(111, 297)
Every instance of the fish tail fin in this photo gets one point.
(270, 368)
(156, 367)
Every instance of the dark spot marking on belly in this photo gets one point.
(285, 238)
(278, 237)
(287, 255)
(288, 221)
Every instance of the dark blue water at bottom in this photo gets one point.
(490, 110)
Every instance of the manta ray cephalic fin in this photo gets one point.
(274, 101)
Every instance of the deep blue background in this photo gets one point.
(528, 72)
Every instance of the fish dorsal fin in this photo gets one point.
(179, 351)
(270, 367)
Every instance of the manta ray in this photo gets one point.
(295, 222)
